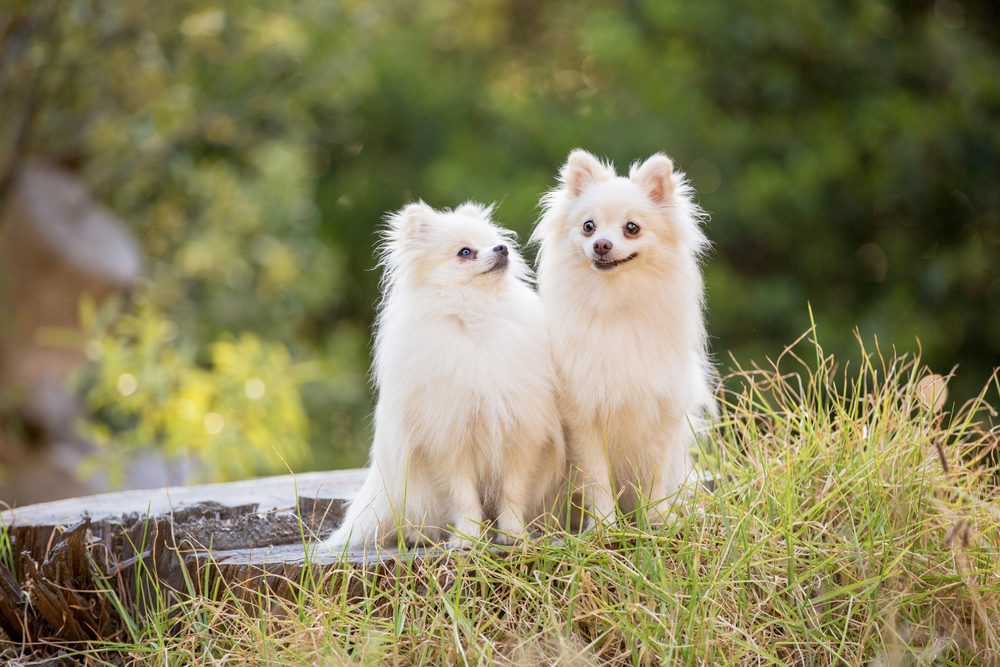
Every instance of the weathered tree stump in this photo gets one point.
(154, 546)
(65, 564)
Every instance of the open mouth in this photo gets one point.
(499, 264)
(605, 264)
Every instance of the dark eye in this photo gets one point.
(631, 229)
(589, 227)
(465, 252)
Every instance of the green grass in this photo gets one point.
(852, 521)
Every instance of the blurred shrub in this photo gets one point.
(239, 411)
(849, 154)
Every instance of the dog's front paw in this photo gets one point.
(663, 516)
(460, 543)
(665, 513)
(509, 535)
(604, 514)
(510, 528)
(590, 522)
(465, 533)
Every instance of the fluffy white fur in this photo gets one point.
(466, 425)
(628, 334)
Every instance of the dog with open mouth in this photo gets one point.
(467, 426)
(619, 277)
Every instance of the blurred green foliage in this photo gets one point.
(849, 154)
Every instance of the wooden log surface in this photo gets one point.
(268, 494)
(144, 544)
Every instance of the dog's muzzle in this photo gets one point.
(499, 264)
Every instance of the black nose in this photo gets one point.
(502, 249)
(602, 247)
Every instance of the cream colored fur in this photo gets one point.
(466, 425)
(629, 340)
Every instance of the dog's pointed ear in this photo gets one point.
(411, 221)
(583, 170)
(656, 177)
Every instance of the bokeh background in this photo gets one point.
(243, 153)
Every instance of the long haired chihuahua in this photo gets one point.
(619, 278)
(467, 427)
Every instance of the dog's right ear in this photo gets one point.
(583, 170)
(411, 221)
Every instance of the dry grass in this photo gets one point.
(855, 520)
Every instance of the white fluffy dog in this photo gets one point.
(619, 278)
(466, 426)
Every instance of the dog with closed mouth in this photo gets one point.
(467, 427)
(619, 278)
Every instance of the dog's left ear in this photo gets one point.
(583, 170)
(411, 222)
(656, 177)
